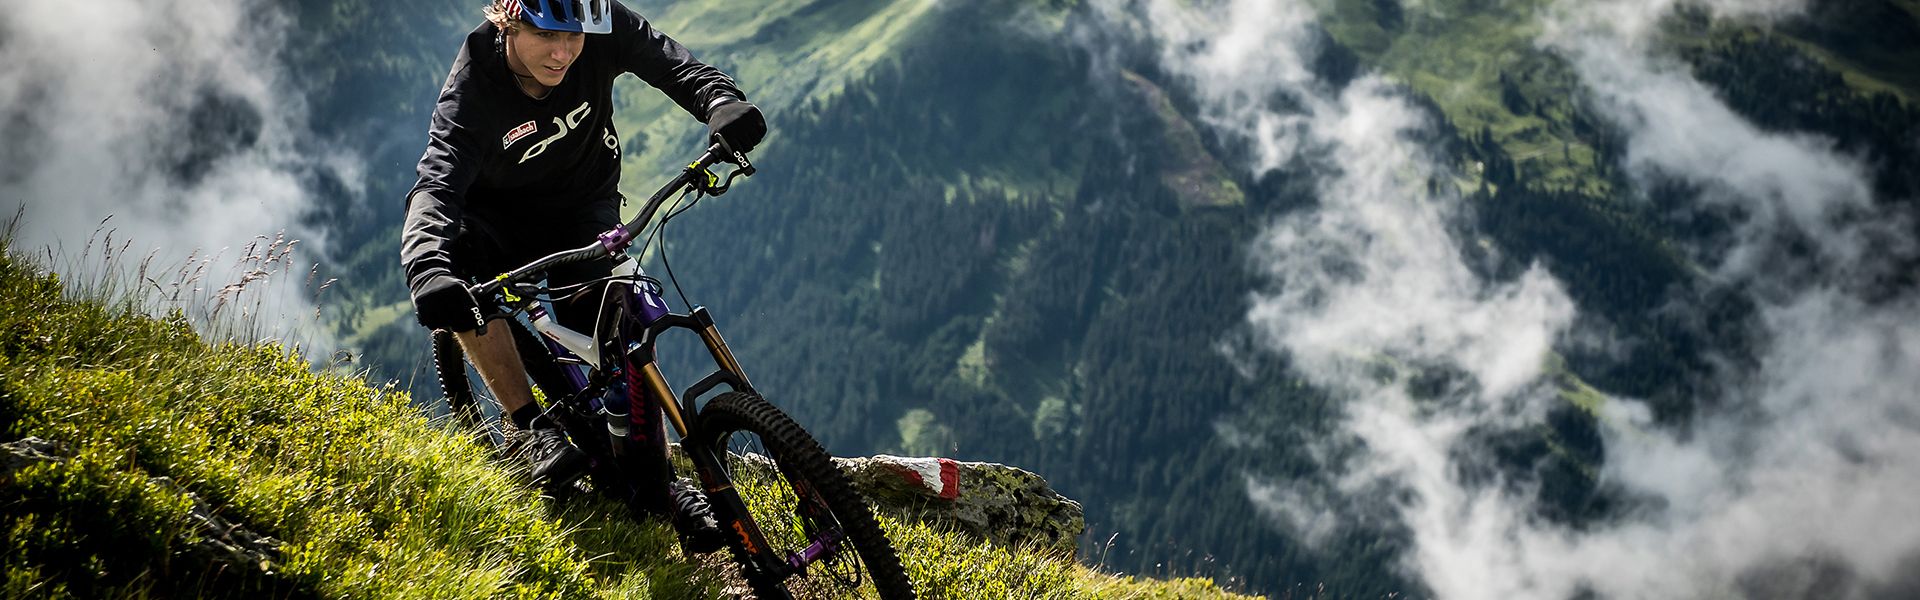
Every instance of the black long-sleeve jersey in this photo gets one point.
(501, 160)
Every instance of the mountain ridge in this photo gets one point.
(917, 270)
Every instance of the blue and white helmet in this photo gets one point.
(584, 16)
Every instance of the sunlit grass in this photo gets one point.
(368, 498)
(946, 564)
(783, 53)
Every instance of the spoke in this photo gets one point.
(790, 516)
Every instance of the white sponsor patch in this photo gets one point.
(524, 130)
(573, 120)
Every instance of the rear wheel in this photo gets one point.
(450, 365)
(800, 500)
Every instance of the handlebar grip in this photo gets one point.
(725, 152)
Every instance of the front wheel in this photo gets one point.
(805, 506)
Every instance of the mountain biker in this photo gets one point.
(522, 160)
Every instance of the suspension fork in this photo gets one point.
(654, 384)
(647, 376)
(708, 460)
(717, 346)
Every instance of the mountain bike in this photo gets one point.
(799, 521)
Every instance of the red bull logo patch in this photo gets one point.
(524, 130)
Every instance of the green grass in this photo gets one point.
(793, 57)
(1873, 69)
(370, 499)
(1457, 52)
(367, 498)
(947, 565)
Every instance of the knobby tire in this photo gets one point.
(808, 472)
(450, 365)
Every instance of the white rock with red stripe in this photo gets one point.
(997, 503)
(940, 476)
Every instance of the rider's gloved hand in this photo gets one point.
(739, 121)
(445, 303)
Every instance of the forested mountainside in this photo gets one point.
(1020, 232)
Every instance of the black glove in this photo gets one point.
(445, 303)
(740, 122)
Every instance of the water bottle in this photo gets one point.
(613, 405)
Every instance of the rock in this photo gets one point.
(17, 454)
(228, 545)
(1001, 504)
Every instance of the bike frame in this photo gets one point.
(639, 363)
(626, 346)
(620, 355)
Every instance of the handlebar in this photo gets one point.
(616, 240)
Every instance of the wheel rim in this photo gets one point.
(793, 525)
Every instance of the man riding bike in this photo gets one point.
(522, 160)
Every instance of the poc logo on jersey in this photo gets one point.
(566, 126)
(524, 130)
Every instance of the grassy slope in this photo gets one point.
(1456, 52)
(788, 56)
(368, 499)
(1873, 68)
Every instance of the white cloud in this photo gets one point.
(1813, 454)
(1228, 50)
(1680, 127)
(1371, 285)
(1796, 482)
(173, 117)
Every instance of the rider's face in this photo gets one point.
(544, 54)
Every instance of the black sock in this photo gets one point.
(524, 417)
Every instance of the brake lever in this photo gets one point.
(527, 290)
